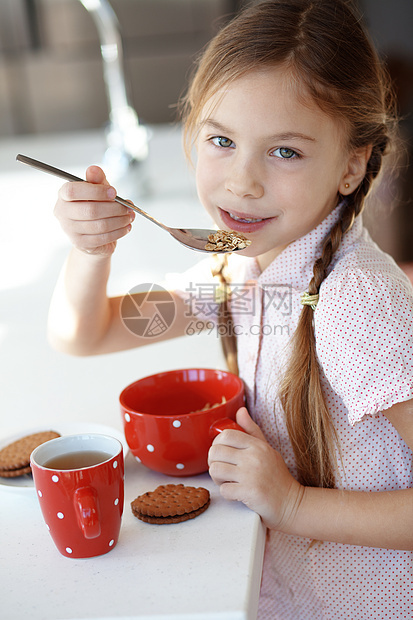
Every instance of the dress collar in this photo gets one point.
(294, 266)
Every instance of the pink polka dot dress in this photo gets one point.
(364, 336)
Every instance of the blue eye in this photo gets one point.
(285, 153)
(222, 142)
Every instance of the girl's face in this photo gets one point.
(269, 166)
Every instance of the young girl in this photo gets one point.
(290, 114)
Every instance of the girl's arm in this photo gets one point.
(249, 470)
(83, 320)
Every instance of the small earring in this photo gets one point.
(346, 185)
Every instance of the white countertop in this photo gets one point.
(206, 568)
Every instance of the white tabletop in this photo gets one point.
(206, 568)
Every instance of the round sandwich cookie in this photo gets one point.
(15, 457)
(171, 503)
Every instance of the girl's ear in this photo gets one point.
(356, 170)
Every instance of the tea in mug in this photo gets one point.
(77, 460)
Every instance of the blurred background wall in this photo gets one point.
(390, 24)
(51, 69)
(51, 78)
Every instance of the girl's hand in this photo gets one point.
(249, 470)
(89, 215)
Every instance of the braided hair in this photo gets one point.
(308, 421)
(324, 46)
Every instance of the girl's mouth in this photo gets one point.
(241, 223)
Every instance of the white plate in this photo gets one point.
(25, 483)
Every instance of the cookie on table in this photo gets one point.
(15, 457)
(171, 503)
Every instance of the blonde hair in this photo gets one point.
(325, 48)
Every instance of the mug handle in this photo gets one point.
(86, 507)
(221, 425)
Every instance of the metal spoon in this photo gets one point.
(194, 238)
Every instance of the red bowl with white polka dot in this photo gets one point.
(171, 418)
(79, 480)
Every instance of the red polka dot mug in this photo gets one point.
(79, 480)
(171, 418)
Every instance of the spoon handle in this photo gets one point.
(39, 165)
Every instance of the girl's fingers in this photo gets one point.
(223, 454)
(90, 242)
(247, 423)
(233, 438)
(94, 174)
(97, 227)
(89, 215)
(80, 190)
(223, 472)
(231, 491)
(81, 210)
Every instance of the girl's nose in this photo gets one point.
(243, 180)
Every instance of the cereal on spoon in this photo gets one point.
(227, 241)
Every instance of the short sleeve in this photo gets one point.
(364, 338)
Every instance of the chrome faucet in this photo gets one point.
(127, 139)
